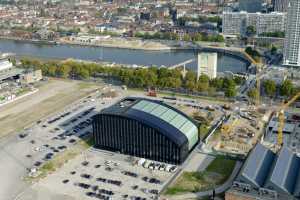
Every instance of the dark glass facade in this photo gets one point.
(132, 137)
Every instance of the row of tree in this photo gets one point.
(286, 88)
(162, 78)
(201, 19)
(195, 37)
(278, 34)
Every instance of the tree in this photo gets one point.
(190, 82)
(253, 53)
(219, 38)
(273, 50)
(203, 83)
(187, 37)
(253, 94)
(63, 71)
(286, 88)
(228, 83)
(190, 85)
(217, 83)
(250, 31)
(51, 70)
(270, 87)
(239, 80)
(197, 37)
(230, 92)
(278, 34)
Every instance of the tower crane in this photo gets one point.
(258, 66)
(281, 117)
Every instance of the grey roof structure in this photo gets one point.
(172, 117)
(285, 172)
(279, 172)
(257, 166)
(173, 123)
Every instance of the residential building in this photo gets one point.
(250, 6)
(292, 36)
(236, 23)
(270, 22)
(207, 64)
(280, 5)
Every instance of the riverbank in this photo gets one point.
(124, 56)
(125, 43)
(109, 43)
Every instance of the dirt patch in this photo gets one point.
(51, 97)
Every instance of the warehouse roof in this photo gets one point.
(258, 165)
(285, 172)
(172, 122)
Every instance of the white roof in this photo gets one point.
(5, 64)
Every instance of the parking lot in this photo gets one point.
(89, 174)
(93, 174)
(97, 174)
(24, 153)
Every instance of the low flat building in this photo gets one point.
(31, 76)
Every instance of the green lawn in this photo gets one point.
(203, 131)
(216, 174)
(170, 94)
(209, 98)
(222, 166)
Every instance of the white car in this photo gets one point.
(141, 162)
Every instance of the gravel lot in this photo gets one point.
(53, 185)
(52, 96)
(20, 151)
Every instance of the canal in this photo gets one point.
(115, 55)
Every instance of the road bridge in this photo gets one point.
(182, 64)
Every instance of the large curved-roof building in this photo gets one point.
(145, 128)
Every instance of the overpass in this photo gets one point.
(182, 64)
(237, 53)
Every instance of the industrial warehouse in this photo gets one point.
(268, 175)
(145, 128)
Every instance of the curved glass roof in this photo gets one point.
(177, 120)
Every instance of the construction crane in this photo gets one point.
(258, 66)
(228, 125)
(281, 118)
